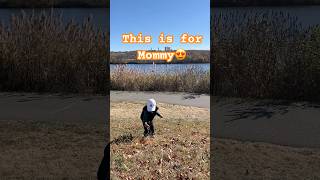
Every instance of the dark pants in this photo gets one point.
(149, 131)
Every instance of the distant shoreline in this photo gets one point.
(162, 63)
(129, 57)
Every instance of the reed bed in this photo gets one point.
(267, 55)
(54, 3)
(41, 53)
(246, 3)
(193, 79)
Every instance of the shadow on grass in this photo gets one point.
(104, 168)
(126, 138)
(266, 109)
(254, 110)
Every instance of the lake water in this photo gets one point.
(163, 68)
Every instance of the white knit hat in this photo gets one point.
(151, 105)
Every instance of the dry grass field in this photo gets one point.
(50, 150)
(256, 160)
(179, 150)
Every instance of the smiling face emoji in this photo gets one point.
(181, 54)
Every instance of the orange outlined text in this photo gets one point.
(185, 38)
(155, 55)
(139, 39)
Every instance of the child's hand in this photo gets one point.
(146, 125)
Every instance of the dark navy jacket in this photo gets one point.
(148, 116)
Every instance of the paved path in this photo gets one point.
(31, 106)
(27, 106)
(285, 123)
(164, 97)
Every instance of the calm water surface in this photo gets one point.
(164, 68)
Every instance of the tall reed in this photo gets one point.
(267, 55)
(54, 3)
(41, 53)
(190, 79)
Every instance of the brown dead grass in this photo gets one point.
(180, 149)
(255, 160)
(192, 79)
(50, 150)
